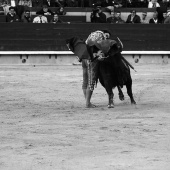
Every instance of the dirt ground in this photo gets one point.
(44, 124)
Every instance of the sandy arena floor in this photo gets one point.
(44, 124)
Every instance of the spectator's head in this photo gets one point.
(5, 3)
(164, 14)
(61, 9)
(118, 14)
(133, 12)
(96, 4)
(55, 17)
(155, 15)
(40, 15)
(27, 13)
(144, 14)
(12, 10)
(99, 8)
(168, 13)
(26, 3)
(45, 8)
(112, 14)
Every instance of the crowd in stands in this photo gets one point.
(40, 17)
(19, 11)
(88, 3)
(160, 15)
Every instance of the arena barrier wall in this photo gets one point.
(142, 43)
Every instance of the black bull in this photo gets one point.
(113, 71)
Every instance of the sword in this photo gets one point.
(120, 42)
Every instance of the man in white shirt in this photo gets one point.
(40, 19)
(153, 4)
(144, 19)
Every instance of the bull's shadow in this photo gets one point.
(113, 71)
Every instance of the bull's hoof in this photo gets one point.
(121, 97)
(110, 106)
(133, 102)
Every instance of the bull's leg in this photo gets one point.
(110, 97)
(121, 95)
(129, 90)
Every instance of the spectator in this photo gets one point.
(116, 18)
(14, 3)
(119, 3)
(162, 9)
(61, 11)
(37, 3)
(167, 20)
(144, 19)
(26, 17)
(92, 3)
(12, 16)
(60, 3)
(133, 18)
(97, 16)
(20, 10)
(40, 19)
(164, 17)
(49, 3)
(143, 3)
(56, 20)
(45, 11)
(1, 10)
(72, 3)
(154, 19)
(27, 3)
(6, 7)
(153, 4)
(130, 3)
(110, 4)
(111, 18)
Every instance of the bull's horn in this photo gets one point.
(120, 42)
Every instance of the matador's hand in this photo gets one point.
(100, 55)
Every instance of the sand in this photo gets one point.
(44, 124)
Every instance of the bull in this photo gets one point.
(114, 70)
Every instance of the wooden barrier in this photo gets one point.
(51, 37)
